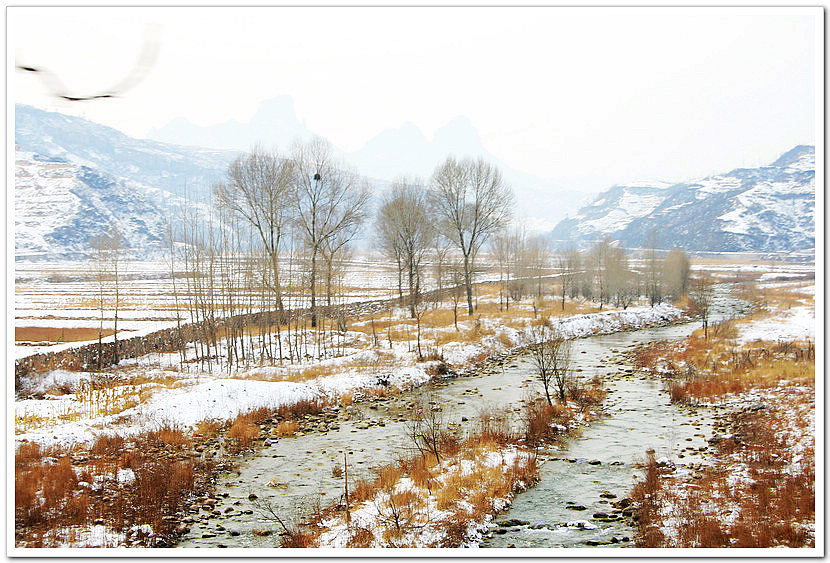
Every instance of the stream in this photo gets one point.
(577, 482)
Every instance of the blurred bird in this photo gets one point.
(146, 59)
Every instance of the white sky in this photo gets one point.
(586, 97)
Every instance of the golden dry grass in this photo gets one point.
(768, 496)
(57, 335)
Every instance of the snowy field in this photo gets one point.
(157, 389)
(64, 296)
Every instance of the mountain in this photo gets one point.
(395, 152)
(60, 206)
(765, 209)
(74, 177)
(274, 124)
(175, 169)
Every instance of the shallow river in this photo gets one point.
(298, 471)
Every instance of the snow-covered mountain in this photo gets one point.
(173, 168)
(60, 206)
(771, 208)
(73, 178)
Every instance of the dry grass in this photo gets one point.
(760, 493)
(243, 432)
(57, 335)
(497, 461)
(403, 513)
(55, 498)
(286, 428)
(169, 435)
(703, 368)
(208, 427)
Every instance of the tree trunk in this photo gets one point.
(468, 282)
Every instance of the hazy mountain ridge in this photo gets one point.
(770, 208)
(394, 152)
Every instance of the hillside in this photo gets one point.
(172, 168)
(60, 206)
(765, 209)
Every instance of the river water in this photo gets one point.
(292, 475)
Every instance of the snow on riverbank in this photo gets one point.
(451, 508)
(212, 394)
(799, 323)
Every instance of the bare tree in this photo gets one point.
(550, 353)
(328, 199)
(654, 287)
(620, 280)
(404, 226)
(537, 261)
(676, 269)
(702, 294)
(259, 189)
(441, 247)
(570, 265)
(598, 260)
(508, 245)
(426, 428)
(109, 247)
(473, 201)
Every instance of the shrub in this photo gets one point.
(286, 428)
(107, 444)
(243, 432)
(168, 435)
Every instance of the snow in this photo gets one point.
(629, 207)
(799, 323)
(86, 536)
(125, 476)
(212, 394)
(425, 523)
(715, 185)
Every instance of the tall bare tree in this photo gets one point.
(550, 353)
(328, 199)
(702, 294)
(537, 261)
(109, 248)
(405, 227)
(654, 287)
(473, 201)
(570, 265)
(676, 269)
(259, 189)
(508, 249)
(598, 262)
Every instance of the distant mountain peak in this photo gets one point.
(275, 123)
(459, 137)
(793, 156)
(765, 209)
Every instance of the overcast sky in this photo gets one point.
(586, 98)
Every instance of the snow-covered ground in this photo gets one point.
(204, 393)
(799, 323)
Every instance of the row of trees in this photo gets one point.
(464, 205)
(606, 274)
(277, 236)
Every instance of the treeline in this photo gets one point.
(277, 237)
(606, 273)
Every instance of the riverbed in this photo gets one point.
(571, 506)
